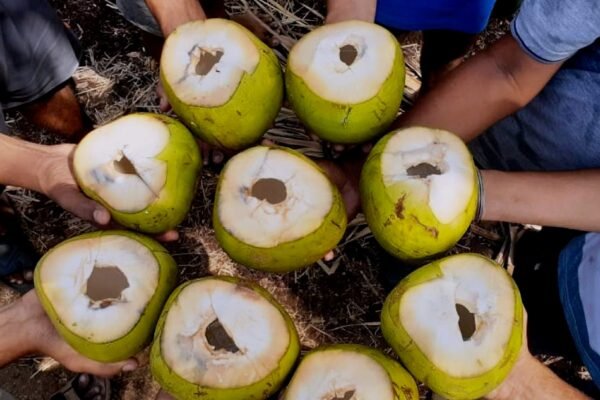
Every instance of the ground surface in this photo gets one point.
(330, 303)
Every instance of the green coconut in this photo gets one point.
(143, 168)
(419, 192)
(222, 81)
(349, 372)
(104, 291)
(222, 338)
(345, 81)
(456, 324)
(275, 210)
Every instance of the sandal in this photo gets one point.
(84, 387)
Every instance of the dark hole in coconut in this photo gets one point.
(269, 189)
(105, 284)
(423, 170)
(348, 395)
(217, 337)
(348, 54)
(125, 166)
(207, 61)
(466, 322)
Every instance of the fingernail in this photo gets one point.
(129, 367)
(100, 217)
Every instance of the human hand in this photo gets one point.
(56, 180)
(41, 337)
(345, 10)
(520, 374)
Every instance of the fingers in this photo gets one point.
(71, 199)
(329, 256)
(162, 395)
(81, 364)
(163, 104)
(169, 236)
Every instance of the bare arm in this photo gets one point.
(562, 199)
(482, 91)
(171, 14)
(531, 380)
(344, 10)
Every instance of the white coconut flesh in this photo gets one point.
(437, 167)
(340, 375)
(345, 63)
(463, 320)
(269, 196)
(117, 162)
(204, 61)
(99, 287)
(221, 335)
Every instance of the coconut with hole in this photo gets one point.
(143, 168)
(345, 81)
(419, 192)
(456, 324)
(350, 372)
(222, 81)
(276, 211)
(222, 338)
(104, 291)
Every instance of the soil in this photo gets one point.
(334, 302)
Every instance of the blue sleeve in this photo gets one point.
(553, 30)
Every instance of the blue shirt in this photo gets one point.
(469, 16)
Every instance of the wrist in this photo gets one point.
(524, 374)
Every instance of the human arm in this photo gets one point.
(345, 10)
(486, 88)
(47, 170)
(25, 329)
(171, 14)
(561, 199)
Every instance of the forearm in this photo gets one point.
(20, 161)
(534, 381)
(171, 14)
(486, 88)
(344, 10)
(562, 199)
(14, 323)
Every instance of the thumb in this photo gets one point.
(71, 199)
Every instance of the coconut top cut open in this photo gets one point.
(437, 166)
(99, 287)
(118, 162)
(463, 319)
(339, 374)
(204, 61)
(346, 62)
(219, 334)
(269, 196)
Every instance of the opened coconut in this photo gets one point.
(222, 81)
(456, 324)
(350, 372)
(275, 210)
(345, 81)
(104, 291)
(223, 338)
(419, 192)
(143, 168)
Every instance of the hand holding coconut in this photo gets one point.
(457, 325)
(26, 329)
(141, 167)
(420, 192)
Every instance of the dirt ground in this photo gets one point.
(337, 302)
